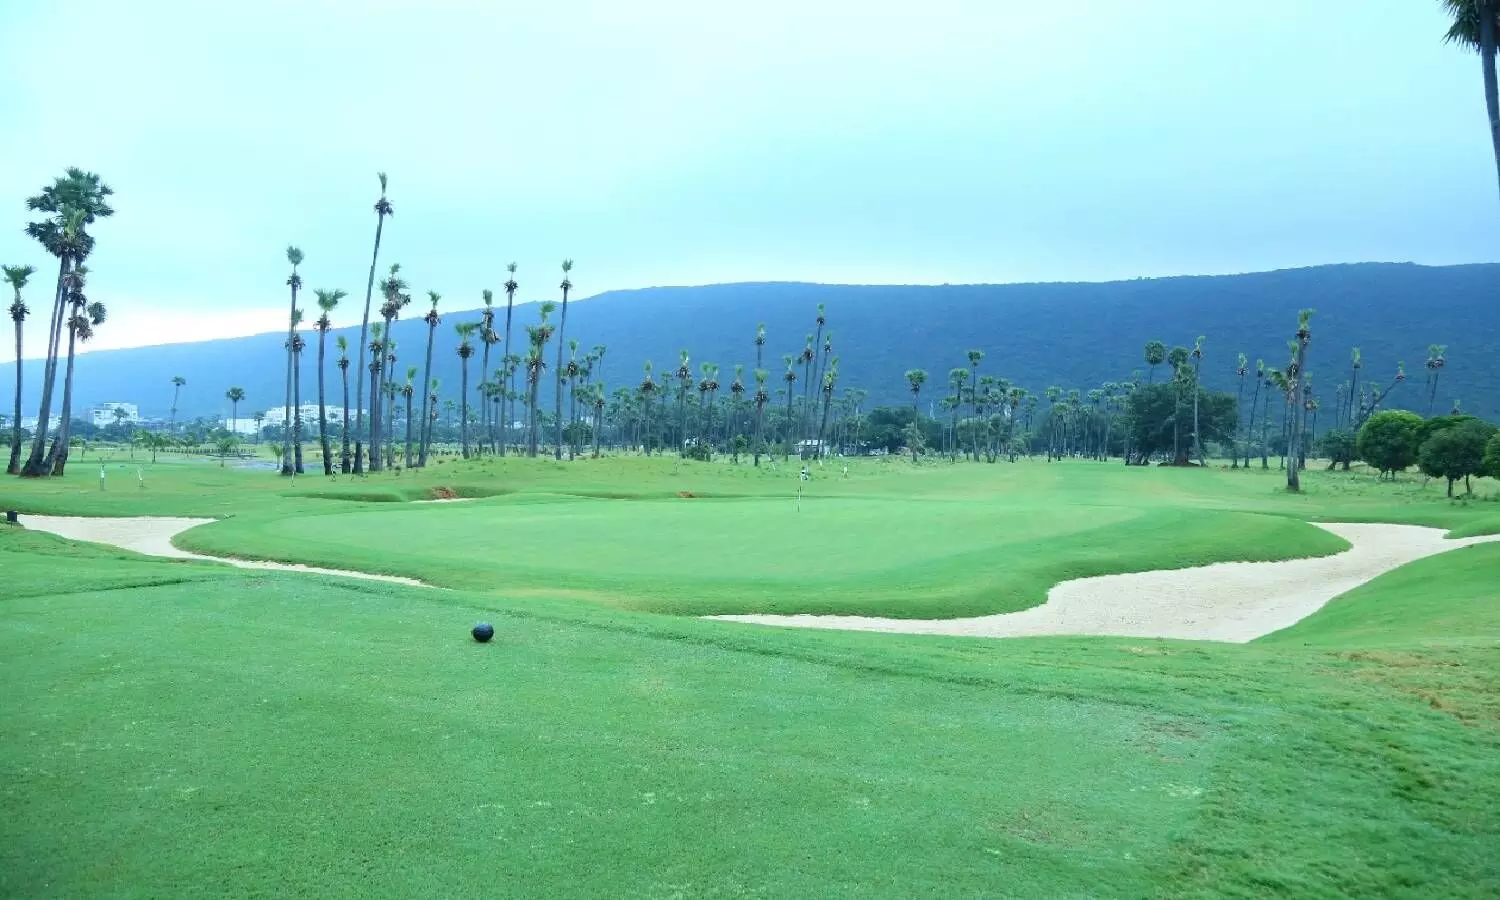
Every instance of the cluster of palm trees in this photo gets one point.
(69, 207)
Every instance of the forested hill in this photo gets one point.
(1066, 334)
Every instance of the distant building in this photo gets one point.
(277, 415)
(105, 414)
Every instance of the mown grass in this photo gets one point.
(180, 728)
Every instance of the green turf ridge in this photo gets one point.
(177, 728)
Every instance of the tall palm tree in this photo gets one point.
(1354, 367)
(16, 277)
(72, 202)
(488, 338)
(297, 344)
(647, 389)
(597, 395)
(82, 319)
(571, 380)
(760, 342)
(1295, 375)
(807, 358)
(821, 320)
(536, 363)
(562, 332)
(260, 422)
(512, 360)
(177, 383)
(465, 350)
(790, 377)
(957, 378)
(377, 354)
(830, 380)
(382, 209)
(975, 357)
(407, 390)
(1156, 354)
(1260, 379)
(1436, 359)
(737, 392)
(294, 281)
(342, 343)
(432, 321)
(1197, 363)
(1474, 28)
(915, 378)
(393, 289)
(761, 396)
(234, 395)
(684, 375)
(327, 302)
(1241, 368)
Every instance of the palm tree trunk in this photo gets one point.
(57, 456)
(760, 416)
(508, 402)
(297, 412)
(426, 395)
(14, 466)
(35, 467)
(364, 328)
(533, 389)
(1250, 428)
(463, 412)
(323, 406)
(408, 431)
(573, 419)
(344, 423)
(562, 337)
(786, 452)
(286, 421)
(1486, 11)
(1197, 441)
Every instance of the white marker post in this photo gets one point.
(101, 476)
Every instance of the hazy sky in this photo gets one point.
(691, 142)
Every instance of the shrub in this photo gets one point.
(1389, 441)
(1457, 452)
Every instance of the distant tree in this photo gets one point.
(1296, 372)
(342, 343)
(432, 321)
(234, 395)
(512, 360)
(297, 345)
(1337, 445)
(1197, 363)
(1492, 457)
(16, 277)
(407, 390)
(1154, 410)
(382, 209)
(1456, 452)
(327, 302)
(260, 422)
(1474, 26)
(294, 282)
(562, 329)
(1437, 359)
(1388, 441)
(465, 350)
(1156, 354)
(915, 378)
(647, 391)
(177, 382)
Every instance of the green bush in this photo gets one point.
(1389, 441)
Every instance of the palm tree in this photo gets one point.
(1156, 354)
(377, 353)
(915, 378)
(407, 390)
(760, 342)
(562, 331)
(83, 319)
(513, 360)
(647, 389)
(1197, 362)
(464, 330)
(761, 396)
(234, 395)
(790, 377)
(260, 421)
(382, 209)
(1436, 360)
(294, 281)
(975, 357)
(1354, 366)
(684, 384)
(821, 321)
(830, 379)
(957, 378)
(342, 343)
(536, 363)
(1295, 375)
(1474, 23)
(432, 321)
(177, 382)
(72, 202)
(327, 301)
(297, 345)
(597, 395)
(1260, 379)
(488, 338)
(571, 376)
(16, 277)
(393, 289)
(807, 358)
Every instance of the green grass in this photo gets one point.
(177, 728)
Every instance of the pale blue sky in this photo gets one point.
(691, 142)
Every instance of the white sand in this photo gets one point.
(1234, 602)
(447, 500)
(152, 535)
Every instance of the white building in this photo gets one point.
(277, 415)
(105, 414)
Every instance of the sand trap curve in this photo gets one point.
(152, 535)
(1234, 602)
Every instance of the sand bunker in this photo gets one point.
(1234, 602)
(152, 535)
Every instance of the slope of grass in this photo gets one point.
(248, 734)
